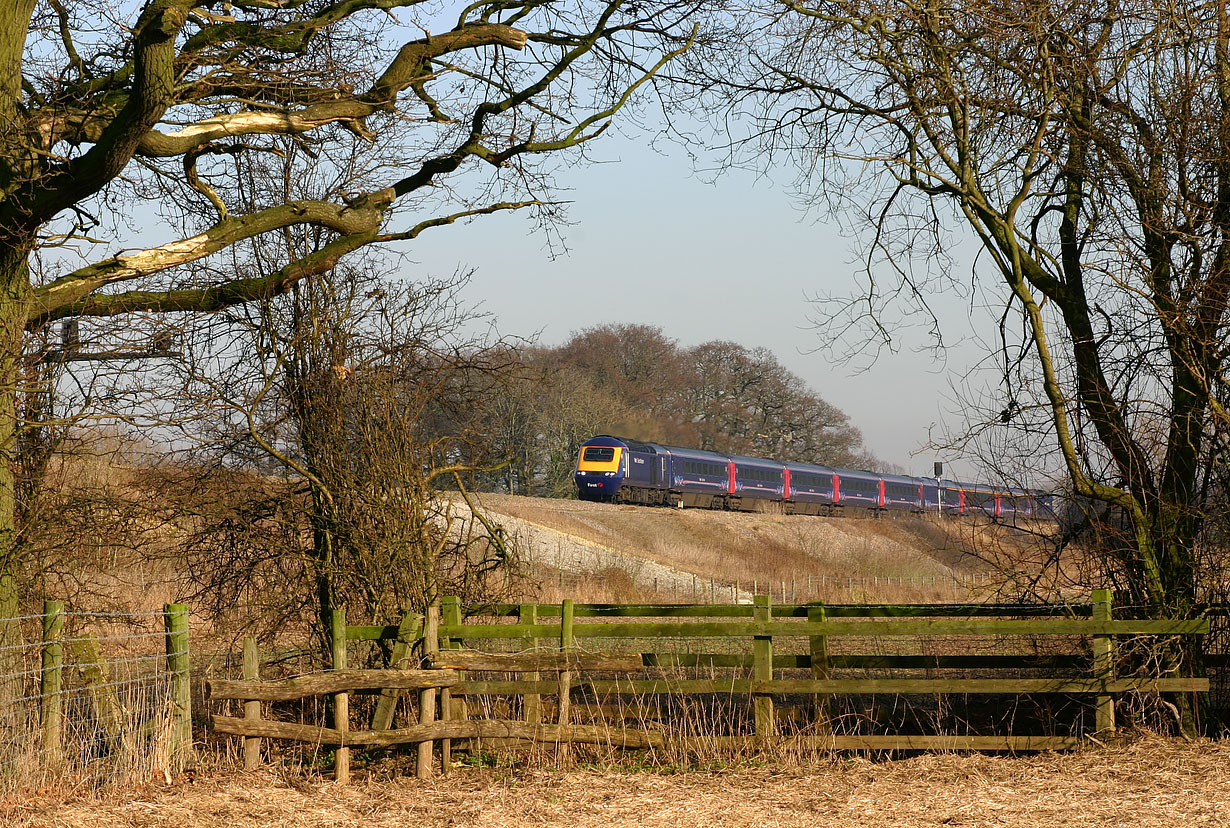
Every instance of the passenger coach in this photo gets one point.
(629, 471)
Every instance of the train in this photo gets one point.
(617, 470)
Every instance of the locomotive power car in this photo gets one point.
(629, 471)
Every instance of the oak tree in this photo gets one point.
(119, 124)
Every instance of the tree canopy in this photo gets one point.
(631, 380)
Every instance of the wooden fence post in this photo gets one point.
(566, 643)
(1103, 662)
(341, 701)
(530, 702)
(175, 622)
(821, 669)
(251, 709)
(52, 681)
(106, 705)
(762, 668)
(450, 615)
(427, 698)
(408, 630)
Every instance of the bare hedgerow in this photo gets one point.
(341, 450)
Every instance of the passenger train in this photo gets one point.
(629, 471)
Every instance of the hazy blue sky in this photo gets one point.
(653, 243)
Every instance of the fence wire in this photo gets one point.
(90, 707)
(694, 589)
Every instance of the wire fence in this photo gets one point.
(697, 589)
(91, 698)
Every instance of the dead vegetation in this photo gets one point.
(1151, 782)
(160, 543)
(1145, 783)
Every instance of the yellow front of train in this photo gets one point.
(601, 466)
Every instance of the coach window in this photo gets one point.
(861, 488)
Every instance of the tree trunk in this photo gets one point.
(14, 301)
(15, 166)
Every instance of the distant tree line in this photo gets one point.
(634, 381)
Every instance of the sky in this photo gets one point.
(652, 242)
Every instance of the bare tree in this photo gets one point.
(571, 411)
(635, 363)
(109, 114)
(511, 420)
(1086, 147)
(743, 400)
(339, 417)
(718, 395)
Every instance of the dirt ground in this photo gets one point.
(1151, 782)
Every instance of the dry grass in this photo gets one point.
(1151, 782)
(116, 715)
(904, 559)
(142, 749)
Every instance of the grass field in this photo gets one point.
(1148, 782)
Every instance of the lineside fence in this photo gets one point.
(92, 698)
(806, 588)
(716, 677)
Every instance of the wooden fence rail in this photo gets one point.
(337, 681)
(443, 675)
(573, 642)
(861, 627)
(438, 731)
(767, 627)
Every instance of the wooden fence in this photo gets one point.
(451, 724)
(769, 653)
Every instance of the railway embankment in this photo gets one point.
(598, 551)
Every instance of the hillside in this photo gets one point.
(597, 552)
